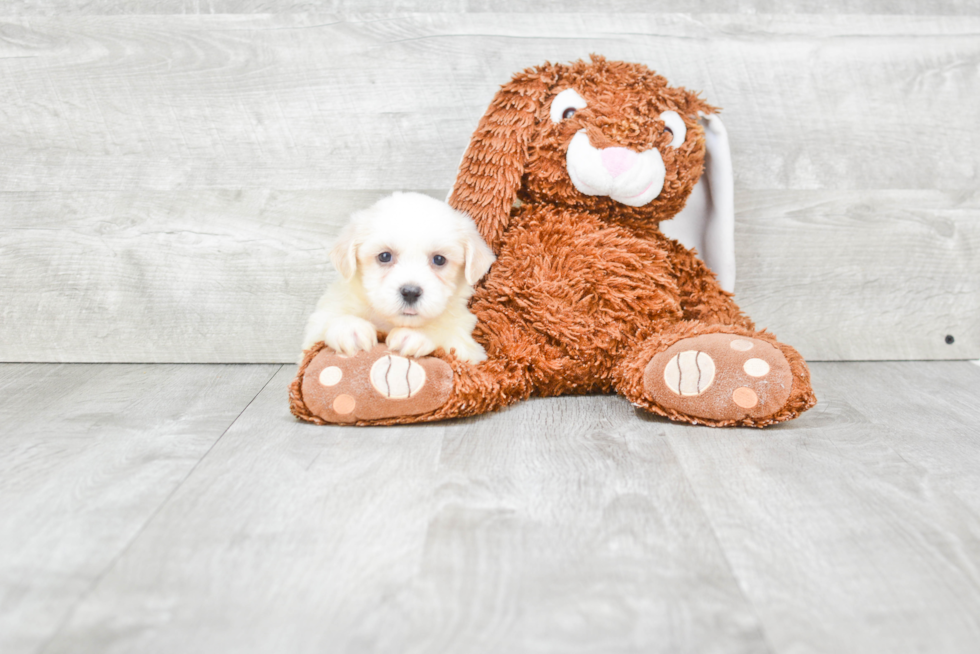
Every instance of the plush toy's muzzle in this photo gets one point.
(628, 177)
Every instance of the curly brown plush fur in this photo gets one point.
(586, 291)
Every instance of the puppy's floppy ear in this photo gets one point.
(491, 170)
(344, 252)
(478, 256)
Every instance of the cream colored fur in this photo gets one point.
(415, 230)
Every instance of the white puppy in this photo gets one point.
(407, 266)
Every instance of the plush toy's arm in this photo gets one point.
(707, 222)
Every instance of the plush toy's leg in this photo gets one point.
(380, 388)
(719, 375)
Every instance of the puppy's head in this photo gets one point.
(412, 255)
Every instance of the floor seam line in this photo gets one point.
(724, 554)
(122, 552)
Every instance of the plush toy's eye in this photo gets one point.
(439, 260)
(565, 105)
(384, 257)
(674, 125)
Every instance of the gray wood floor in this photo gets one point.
(180, 508)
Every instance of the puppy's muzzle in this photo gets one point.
(410, 294)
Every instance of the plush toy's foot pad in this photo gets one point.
(720, 377)
(373, 385)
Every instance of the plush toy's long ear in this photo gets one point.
(708, 219)
(491, 170)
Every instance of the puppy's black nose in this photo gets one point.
(410, 294)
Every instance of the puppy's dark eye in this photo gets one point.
(669, 131)
(568, 113)
(439, 260)
(384, 257)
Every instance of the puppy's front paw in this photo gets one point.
(350, 334)
(409, 343)
(470, 353)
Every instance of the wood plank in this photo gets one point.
(108, 7)
(368, 102)
(88, 453)
(561, 525)
(862, 275)
(857, 527)
(153, 163)
(189, 277)
(210, 275)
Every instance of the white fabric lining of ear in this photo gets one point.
(707, 222)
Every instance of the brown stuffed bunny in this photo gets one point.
(567, 177)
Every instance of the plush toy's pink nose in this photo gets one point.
(618, 160)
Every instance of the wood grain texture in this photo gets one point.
(168, 180)
(857, 527)
(88, 453)
(207, 276)
(211, 276)
(570, 524)
(108, 7)
(385, 102)
(861, 275)
(561, 525)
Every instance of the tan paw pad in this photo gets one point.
(374, 385)
(719, 377)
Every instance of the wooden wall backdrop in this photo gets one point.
(172, 172)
